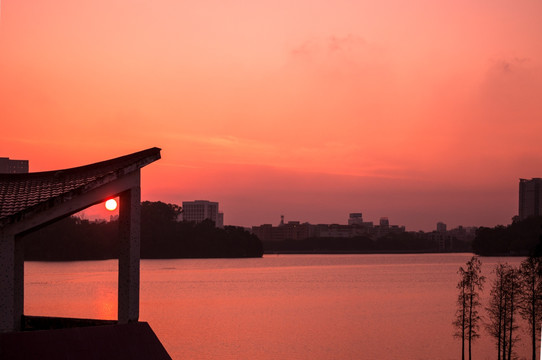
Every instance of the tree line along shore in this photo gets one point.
(163, 236)
(516, 239)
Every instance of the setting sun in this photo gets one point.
(405, 100)
(111, 204)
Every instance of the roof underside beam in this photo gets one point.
(70, 206)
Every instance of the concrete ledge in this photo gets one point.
(32, 323)
(133, 341)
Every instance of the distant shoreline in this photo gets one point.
(315, 252)
(346, 252)
(390, 252)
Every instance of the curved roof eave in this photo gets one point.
(31, 193)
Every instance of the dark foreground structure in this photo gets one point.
(31, 201)
(119, 341)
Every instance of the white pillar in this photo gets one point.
(129, 233)
(11, 282)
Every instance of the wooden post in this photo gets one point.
(129, 232)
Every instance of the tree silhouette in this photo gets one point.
(496, 308)
(162, 236)
(518, 238)
(530, 274)
(503, 308)
(467, 321)
(513, 300)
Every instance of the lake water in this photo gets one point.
(278, 306)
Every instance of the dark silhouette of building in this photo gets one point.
(441, 227)
(530, 198)
(200, 210)
(295, 230)
(292, 230)
(355, 219)
(33, 200)
(8, 166)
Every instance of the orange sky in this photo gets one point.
(421, 111)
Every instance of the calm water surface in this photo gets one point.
(279, 306)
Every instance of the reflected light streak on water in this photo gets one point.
(287, 306)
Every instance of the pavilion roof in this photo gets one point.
(31, 192)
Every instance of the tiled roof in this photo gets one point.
(21, 192)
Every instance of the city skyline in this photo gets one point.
(529, 204)
(421, 112)
(99, 212)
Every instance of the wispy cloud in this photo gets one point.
(332, 157)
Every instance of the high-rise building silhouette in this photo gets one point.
(200, 210)
(355, 219)
(441, 227)
(8, 166)
(530, 198)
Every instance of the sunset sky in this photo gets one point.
(421, 111)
